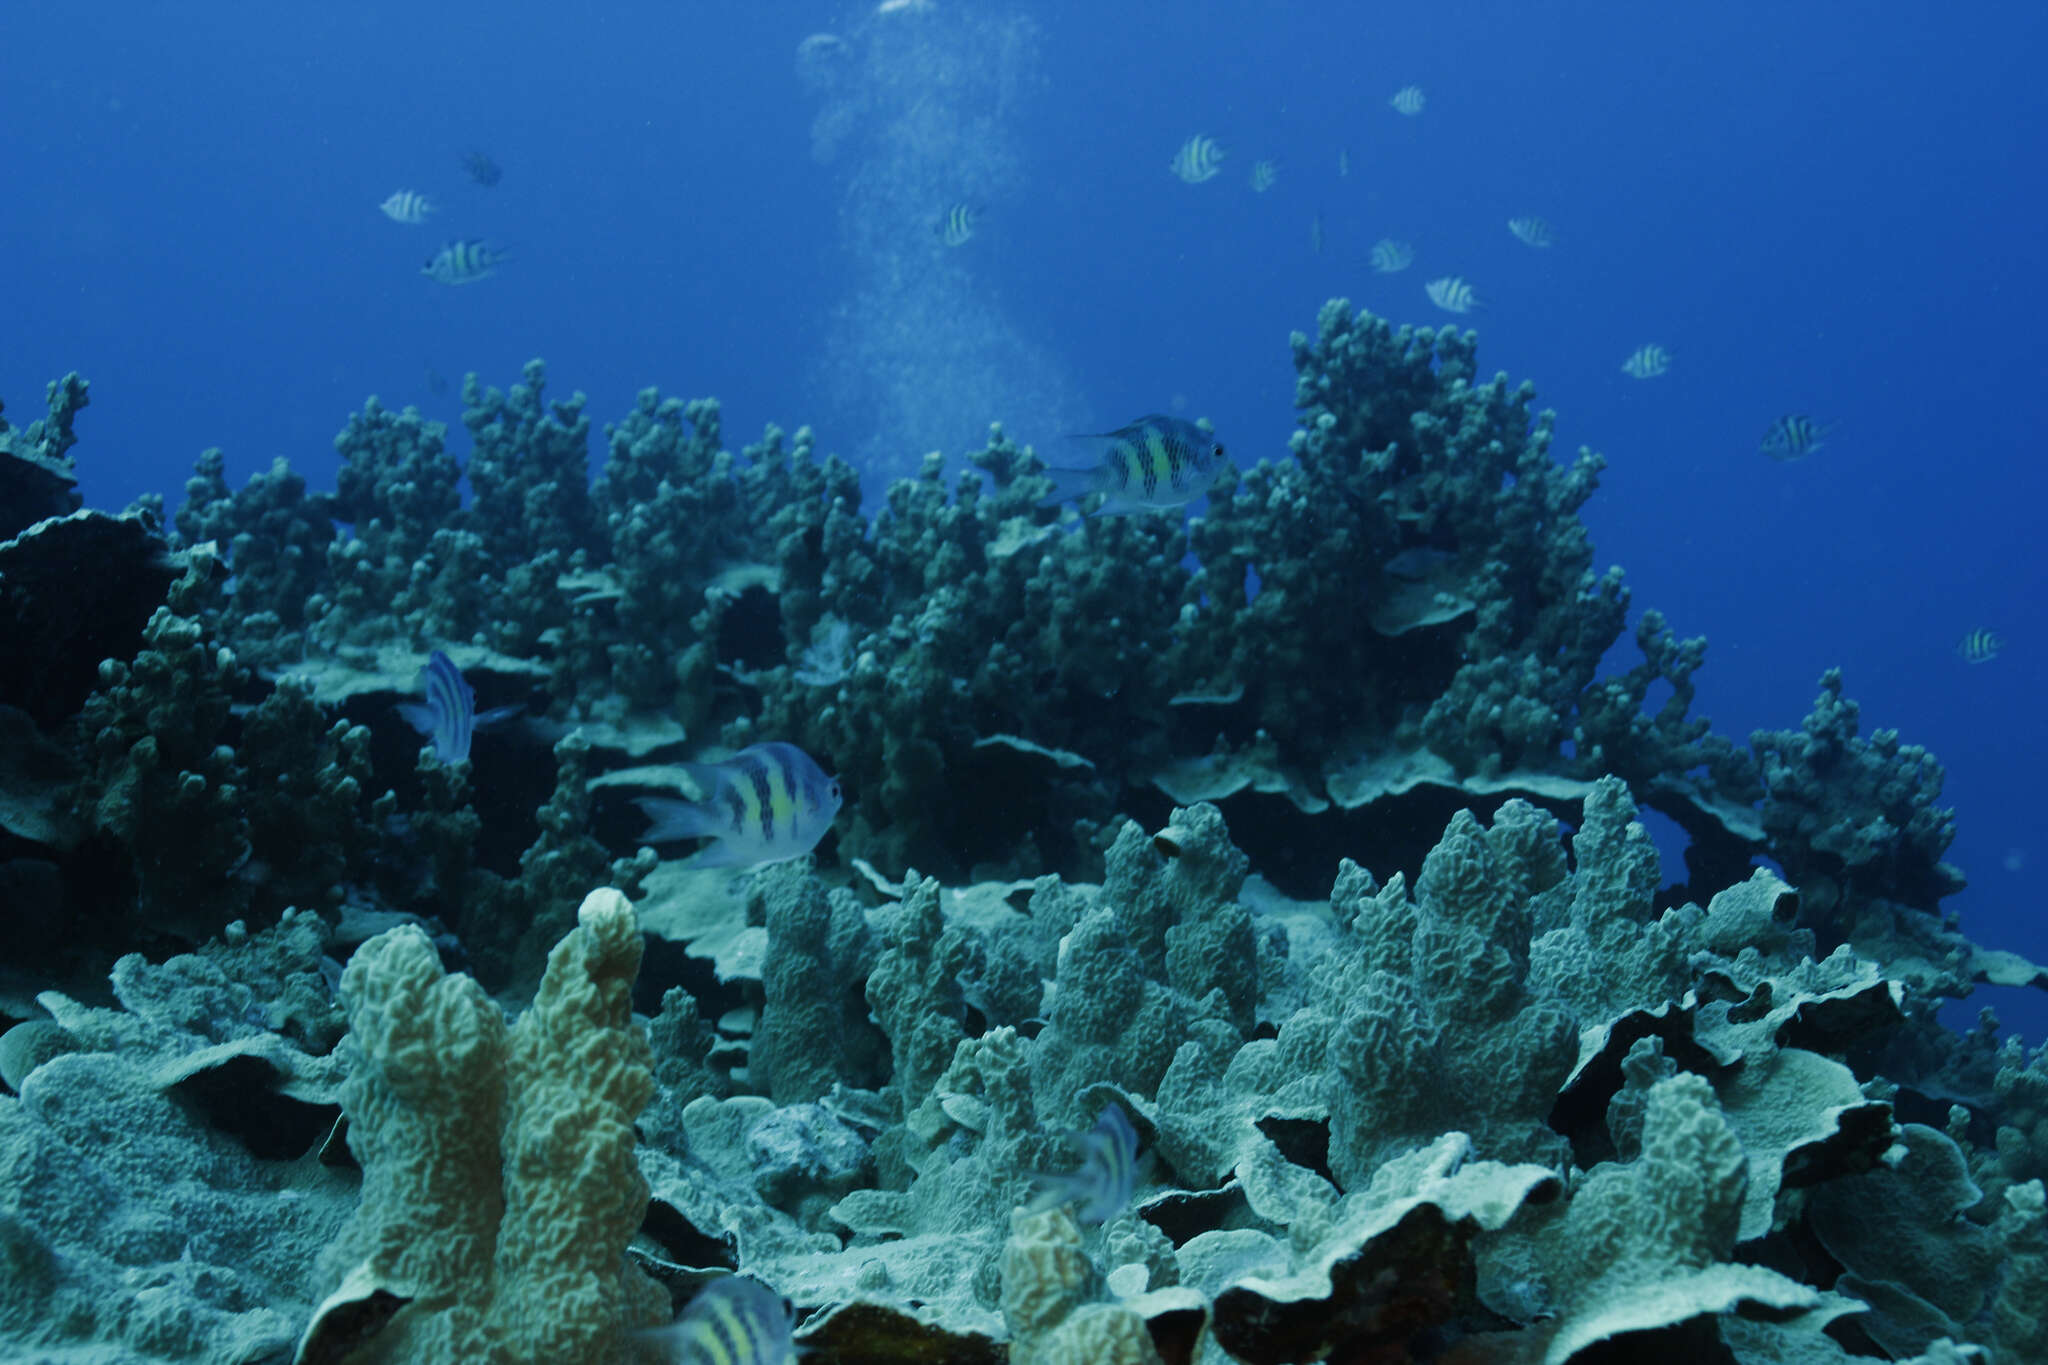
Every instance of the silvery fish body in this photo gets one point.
(406, 206)
(768, 803)
(463, 262)
(1154, 463)
(1198, 159)
(1452, 294)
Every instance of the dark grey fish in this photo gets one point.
(481, 168)
(1795, 436)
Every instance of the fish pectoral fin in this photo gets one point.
(418, 715)
(497, 715)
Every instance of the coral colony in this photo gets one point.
(1229, 937)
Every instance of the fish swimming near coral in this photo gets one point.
(1154, 463)
(463, 262)
(1408, 100)
(406, 206)
(1646, 362)
(1451, 294)
(1794, 436)
(481, 168)
(1980, 646)
(732, 1321)
(1109, 1171)
(768, 803)
(1198, 159)
(956, 226)
(1390, 257)
(449, 716)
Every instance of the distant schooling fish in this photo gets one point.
(1646, 362)
(463, 262)
(956, 227)
(1390, 257)
(1451, 294)
(1794, 436)
(768, 803)
(1108, 1174)
(1154, 463)
(405, 206)
(1532, 231)
(481, 168)
(1980, 646)
(1408, 100)
(449, 716)
(1198, 159)
(1265, 174)
(732, 1321)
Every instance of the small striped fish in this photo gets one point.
(732, 1321)
(1108, 1174)
(1451, 294)
(1154, 463)
(1980, 646)
(1794, 436)
(407, 207)
(1408, 100)
(1198, 159)
(768, 803)
(449, 716)
(1533, 231)
(1647, 362)
(1265, 174)
(956, 228)
(1390, 257)
(463, 262)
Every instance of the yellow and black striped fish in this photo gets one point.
(1154, 463)
(956, 226)
(732, 1321)
(463, 262)
(1794, 436)
(1198, 159)
(1980, 646)
(768, 803)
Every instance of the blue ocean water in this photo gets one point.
(1827, 209)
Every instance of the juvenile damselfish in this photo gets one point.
(1153, 463)
(768, 803)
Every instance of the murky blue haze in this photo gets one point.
(1831, 209)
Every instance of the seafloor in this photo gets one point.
(1304, 830)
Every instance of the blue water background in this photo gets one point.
(1834, 209)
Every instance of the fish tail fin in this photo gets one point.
(1070, 484)
(675, 819)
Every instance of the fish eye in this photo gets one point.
(834, 790)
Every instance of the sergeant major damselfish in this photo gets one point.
(1156, 463)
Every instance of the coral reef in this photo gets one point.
(1304, 831)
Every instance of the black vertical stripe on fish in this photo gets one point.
(764, 796)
